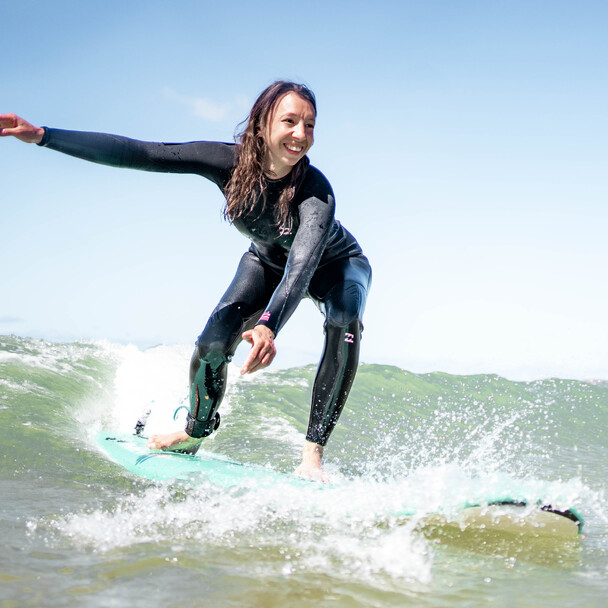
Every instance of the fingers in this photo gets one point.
(8, 132)
(7, 123)
(262, 351)
(259, 357)
(8, 120)
(256, 363)
(11, 124)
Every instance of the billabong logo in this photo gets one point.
(350, 338)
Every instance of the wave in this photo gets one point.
(394, 419)
(433, 438)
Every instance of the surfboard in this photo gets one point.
(512, 515)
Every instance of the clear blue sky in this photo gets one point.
(466, 142)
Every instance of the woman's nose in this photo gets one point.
(299, 131)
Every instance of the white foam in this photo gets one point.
(300, 527)
(154, 380)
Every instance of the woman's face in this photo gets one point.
(288, 134)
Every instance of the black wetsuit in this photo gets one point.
(317, 258)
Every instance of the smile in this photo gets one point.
(294, 149)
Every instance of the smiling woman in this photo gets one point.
(289, 135)
(273, 144)
(298, 249)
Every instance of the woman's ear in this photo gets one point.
(259, 132)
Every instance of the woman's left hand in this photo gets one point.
(11, 124)
(262, 351)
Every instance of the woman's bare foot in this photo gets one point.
(179, 441)
(311, 468)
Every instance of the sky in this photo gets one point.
(466, 143)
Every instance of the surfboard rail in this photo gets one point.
(509, 515)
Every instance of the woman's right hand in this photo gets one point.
(263, 350)
(11, 124)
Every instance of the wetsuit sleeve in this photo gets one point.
(316, 220)
(212, 160)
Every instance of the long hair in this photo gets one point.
(247, 182)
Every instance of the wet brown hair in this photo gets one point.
(247, 182)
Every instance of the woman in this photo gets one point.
(286, 208)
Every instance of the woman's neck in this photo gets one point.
(275, 174)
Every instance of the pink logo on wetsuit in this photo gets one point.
(265, 316)
(350, 338)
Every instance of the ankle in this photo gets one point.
(312, 451)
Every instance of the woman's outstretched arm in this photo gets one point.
(13, 125)
(212, 160)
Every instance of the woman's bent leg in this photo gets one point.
(208, 369)
(238, 310)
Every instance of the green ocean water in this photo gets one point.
(78, 530)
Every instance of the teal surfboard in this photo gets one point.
(130, 451)
(508, 514)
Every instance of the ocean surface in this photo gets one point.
(78, 530)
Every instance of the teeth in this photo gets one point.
(294, 148)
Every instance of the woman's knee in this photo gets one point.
(218, 340)
(345, 305)
(205, 354)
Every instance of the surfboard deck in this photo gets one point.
(130, 451)
(508, 515)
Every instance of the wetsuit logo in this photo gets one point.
(350, 338)
(265, 316)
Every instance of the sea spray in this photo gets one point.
(86, 526)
